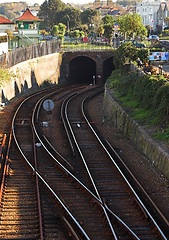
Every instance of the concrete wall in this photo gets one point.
(135, 133)
(31, 74)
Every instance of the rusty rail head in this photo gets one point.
(37, 186)
(3, 144)
(6, 165)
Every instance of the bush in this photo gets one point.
(150, 92)
(124, 54)
(5, 76)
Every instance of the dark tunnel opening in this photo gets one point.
(108, 67)
(82, 69)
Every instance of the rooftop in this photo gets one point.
(5, 21)
(27, 16)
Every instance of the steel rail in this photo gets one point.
(98, 200)
(124, 177)
(60, 165)
(60, 156)
(38, 174)
(6, 166)
(93, 183)
(37, 187)
(140, 186)
(37, 110)
(2, 145)
(65, 126)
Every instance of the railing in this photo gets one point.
(24, 38)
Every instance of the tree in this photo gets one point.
(100, 31)
(70, 17)
(55, 30)
(131, 25)
(48, 12)
(84, 28)
(87, 16)
(125, 53)
(75, 34)
(97, 22)
(108, 29)
(59, 30)
(43, 32)
(108, 19)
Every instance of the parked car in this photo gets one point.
(136, 43)
(154, 37)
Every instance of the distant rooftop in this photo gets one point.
(27, 16)
(5, 20)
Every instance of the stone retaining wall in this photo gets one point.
(31, 74)
(135, 133)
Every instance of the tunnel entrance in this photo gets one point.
(82, 69)
(108, 67)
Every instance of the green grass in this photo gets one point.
(140, 113)
(145, 98)
(84, 46)
(129, 102)
(162, 134)
(164, 38)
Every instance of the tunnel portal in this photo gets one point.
(82, 69)
(108, 67)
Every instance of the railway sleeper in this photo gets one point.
(20, 237)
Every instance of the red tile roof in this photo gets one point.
(5, 20)
(27, 16)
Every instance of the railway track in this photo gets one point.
(67, 187)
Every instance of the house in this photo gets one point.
(148, 11)
(6, 24)
(27, 29)
(162, 13)
(103, 2)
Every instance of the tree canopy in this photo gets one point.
(88, 15)
(70, 17)
(131, 25)
(49, 11)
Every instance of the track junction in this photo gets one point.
(62, 180)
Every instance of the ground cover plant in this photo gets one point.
(145, 97)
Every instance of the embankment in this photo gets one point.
(130, 128)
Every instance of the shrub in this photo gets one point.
(150, 92)
(5, 76)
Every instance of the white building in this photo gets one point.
(6, 24)
(148, 11)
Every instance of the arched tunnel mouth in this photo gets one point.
(108, 67)
(82, 70)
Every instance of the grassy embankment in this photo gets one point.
(145, 97)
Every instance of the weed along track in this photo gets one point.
(62, 180)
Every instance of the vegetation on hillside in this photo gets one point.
(146, 97)
(12, 10)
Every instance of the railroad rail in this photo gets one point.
(63, 183)
(124, 204)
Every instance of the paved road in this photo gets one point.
(165, 66)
